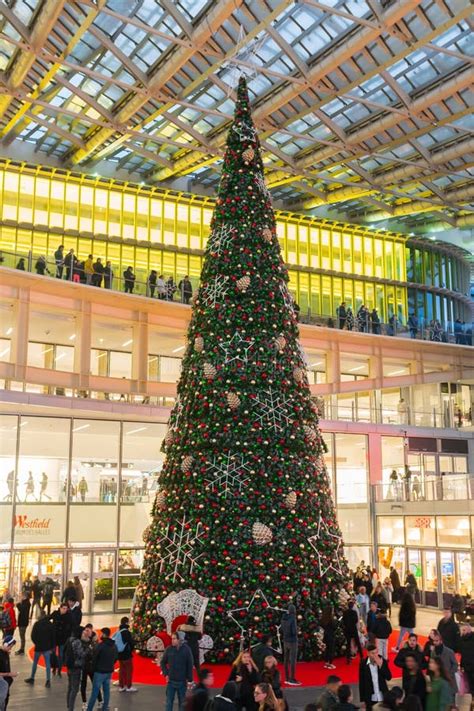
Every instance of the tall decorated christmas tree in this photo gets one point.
(244, 515)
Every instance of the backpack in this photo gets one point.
(48, 590)
(5, 621)
(69, 658)
(119, 643)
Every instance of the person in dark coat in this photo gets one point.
(6, 673)
(411, 647)
(185, 289)
(344, 695)
(406, 617)
(289, 631)
(373, 673)
(328, 623)
(42, 636)
(244, 671)
(76, 613)
(466, 649)
(98, 274)
(177, 668)
(372, 617)
(152, 277)
(396, 583)
(125, 656)
(103, 662)
(128, 280)
(434, 648)
(413, 678)
(200, 693)
(41, 266)
(108, 275)
(225, 701)
(382, 631)
(341, 314)
(21, 264)
(62, 622)
(448, 629)
(350, 625)
(23, 619)
(271, 675)
(90, 641)
(262, 650)
(69, 592)
(36, 591)
(192, 635)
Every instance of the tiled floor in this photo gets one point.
(26, 697)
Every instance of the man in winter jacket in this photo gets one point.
(448, 629)
(382, 631)
(413, 649)
(435, 648)
(76, 614)
(125, 645)
(23, 619)
(373, 676)
(289, 630)
(9, 612)
(466, 648)
(177, 667)
(36, 590)
(350, 624)
(62, 622)
(42, 636)
(329, 698)
(103, 662)
(74, 656)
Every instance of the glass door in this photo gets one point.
(103, 581)
(464, 572)
(430, 574)
(448, 577)
(24, 562)
(429, 477)
(79, 571)
(51, 568)
(129, 566)
(414, 566)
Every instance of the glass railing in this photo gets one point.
(445, 487)
(354, 412)
(109, 276)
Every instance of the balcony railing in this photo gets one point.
(445, 487)
(141, 285)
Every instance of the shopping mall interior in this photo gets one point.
(113, 119)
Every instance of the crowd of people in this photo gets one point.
(100, 273)
(431, 673)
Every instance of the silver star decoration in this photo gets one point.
(260, 181)
(257, 595)
(324, 563)
(245, 131)
(177, 412)
(288, 300)
(178, 543)
(220, 238)
(274, 409)
(214, 292)
(227, 473)
(244, 62)
(237, 349)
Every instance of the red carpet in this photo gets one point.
(145, 671)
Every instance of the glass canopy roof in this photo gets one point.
(364, 108)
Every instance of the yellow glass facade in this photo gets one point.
(151, 228)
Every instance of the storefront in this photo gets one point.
(438, 550)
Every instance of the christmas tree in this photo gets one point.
(244, 515)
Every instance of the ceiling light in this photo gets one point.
(313, 365)
(4, 352)
(181, 348)
(62, 355)
(139, 429)
(397, 372)
(72, 337)
(127, 343)
(359, 367)
(9, 330)
(22, 424)
(82, 427)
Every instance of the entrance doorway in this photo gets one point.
(79, 567)
(44, 564)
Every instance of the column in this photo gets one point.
(140, 352)
(19, 339)
(82, 344)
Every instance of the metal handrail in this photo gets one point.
(427, 487)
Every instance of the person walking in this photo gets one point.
(440, 691)
(59, 261)
(449, 629)
(48, 592)
(9, 615)
(62, 622)
(350, 625)
(289, 631)
(412, 648)
(36, 591)
(363, 603)
(23, 619)
(396, 582)
(466, 649)
(387, 592)
(185, 289)
(406, 618)
(373, 676)
(200, 693)
(75, 612)
(125, 646)
(225, 701)
(434, 647)
(74, 657)
(382, 631)
(328, 623)
(103, 662)
(177, 668)
(42, 636)
(329, 698)
(79, 590)
(90, 641)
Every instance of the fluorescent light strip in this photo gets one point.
(9, 331)
(22, 424)
(139, 429)
(4, 352)
(127, 343)
(397, 372)
(71, 338)
(82, 427)
(61, 355)
(181, 348)
(354, 370)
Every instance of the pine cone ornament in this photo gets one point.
(209, 371)
(233, 400)
(243, 283)
(199, 344)
(186, 464)
(309, 433)
(280, 343)
(261, 533)
(161, 499)
(267, 234)
(146, 533)
(169, 437)
(290, 499)
(248, 155)
(298, 374)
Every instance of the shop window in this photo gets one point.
(8, 436)
(420, 531)
(464, 573)
(354, 524)
(129, 566)
(120, 365)
(303, 234)
(170, 369)
(95, 452)
(351, 468)
(391, 556)
(390, 530)
(356, 554)
(453, 531)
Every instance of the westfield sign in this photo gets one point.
(40, 526)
